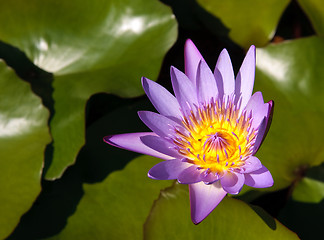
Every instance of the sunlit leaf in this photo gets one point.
(231, 219)
(309, 190)
(315, 12)
(117, 207)
(23, 138)
(290, 73)
(90, 47)
(250, 22)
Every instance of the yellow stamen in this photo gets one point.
(218, 137)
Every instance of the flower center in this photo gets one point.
(217, 137)
(220, 144)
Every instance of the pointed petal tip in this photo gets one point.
(203, 199)
(196, 221)
(150, 176)
(245, 78)
(139, 113)
(107, 139)
(143, 80)
(252, 48)
(270, 113)
(172, 69)
(167, 170)
(251, 54)
(271, 103)
(224, 52)
(189, 45)
(188, 41)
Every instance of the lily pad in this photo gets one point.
(315, 11)
(117, 207)
(290, 73)
(23, 138)
(90, 47)
(248, 25)
(231, 219)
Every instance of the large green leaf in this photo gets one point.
(117, 207)
(249, 21)
(23, 138)
(290, 73)
(231, 219)
(315, 11)
(90, 47)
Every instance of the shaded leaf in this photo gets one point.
(117, 207)
(315, 12)
(23, 138)
(60, 198)
(248, 25)
(231, 219)
(306, 219)
(97, 46)
(290, 74)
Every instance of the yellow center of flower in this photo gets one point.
(218, 137)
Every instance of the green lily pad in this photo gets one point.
(117, 207)
(290, 73)
(90, 47)
(315, 11)
(23, 138)
(250, 22)
(231, 219)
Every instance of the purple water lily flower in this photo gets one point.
(208, 133)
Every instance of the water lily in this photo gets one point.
(208, 133)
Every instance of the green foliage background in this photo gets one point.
(70, 74)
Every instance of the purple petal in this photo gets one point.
(184, 90)
(224, 66)
(259, 179)
(158, 123)
(251, 164)
(132, 142)
(259, 109)
(260, 135)
(219, 83)
(161, 145)
(232, 182)
(190, 175)
(209, 177)
(167, 170)
(269, 117)
(203, 199)
(245, 78)
(192, 58)
(206, 83)
(163, 101)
